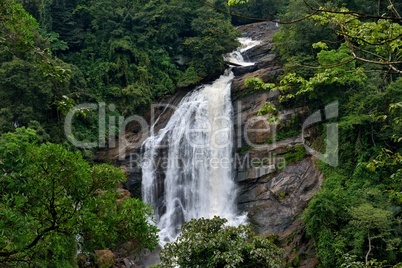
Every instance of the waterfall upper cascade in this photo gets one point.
(188, 165)
(236, 58)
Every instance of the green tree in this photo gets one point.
(135, 52)
(50, 195)
(211, 243)
(213, 37)
(257, 10)
(349, 52)
(17, 29)
(375, 41)
(374, 223)
(32, 80)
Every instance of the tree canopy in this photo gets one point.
(128, 53)
(211, 243)
(349, 51)
(51, 196)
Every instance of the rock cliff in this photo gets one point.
(276, 177)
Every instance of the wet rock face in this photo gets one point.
(274, 201)
(276, 177)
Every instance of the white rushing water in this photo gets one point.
(236, 58)
(188, 165)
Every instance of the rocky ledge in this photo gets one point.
(267, 64)
(277, 178)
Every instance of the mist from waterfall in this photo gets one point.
(188, 165)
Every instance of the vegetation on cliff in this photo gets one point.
(350, 52)
(55, 55)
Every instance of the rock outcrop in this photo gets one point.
(267, 64)
(277, 178)
(105, 258)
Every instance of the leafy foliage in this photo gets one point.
(124, 52)
(210, 243)
(236, 2)
(18, 29)
(349, 52)
(375, 42)
(137, 51)
(50, 195)
(255, 10)
(32, 80)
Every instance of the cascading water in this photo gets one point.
(187, 165)
(236, 57)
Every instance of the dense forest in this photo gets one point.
(350, 52)
(55, 54)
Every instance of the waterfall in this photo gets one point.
(188, 165)
(236, 58)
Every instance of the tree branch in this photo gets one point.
(394, 9)
(369, 250)
(32, 244)
(384, 62)
(360, 15)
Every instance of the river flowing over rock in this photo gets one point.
(274, 177)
